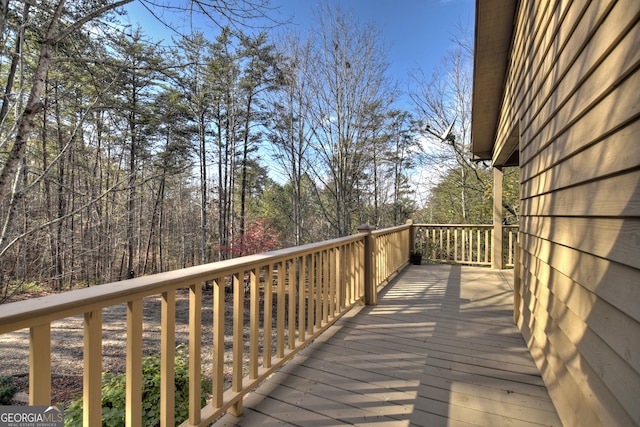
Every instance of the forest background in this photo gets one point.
(122, 156)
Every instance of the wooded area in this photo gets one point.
(123, 156)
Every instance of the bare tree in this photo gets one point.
(290, 130)
(443, 99)
(234, 14)
(349, 86)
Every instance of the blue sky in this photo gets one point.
(418, 32)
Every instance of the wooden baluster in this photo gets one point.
(329, 279)
(381, 258)
(195, 352)
(302, 295)
(134, 364)
(355, 278)
(432, 233)
(218, 341)
(317, 282)
(167, 359)
(463, 241)
(292, 303)
(268, 316)
(486, 246)
(340, 278)
(333, 296)
(313, 292)
(348, 274)
(40, 365)
(92, 374)
(238, 341)
(356, 267)
(282, 271)
(254, 324)
(326, 280)
(455, 245)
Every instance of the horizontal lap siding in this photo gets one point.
(573, 94)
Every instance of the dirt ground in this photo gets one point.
(67, 345)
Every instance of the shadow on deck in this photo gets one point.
(439, 349)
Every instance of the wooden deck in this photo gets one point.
(439, 349)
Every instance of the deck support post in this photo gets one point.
(412, 236)
(497, 258)
(517, 285)
(370, 288)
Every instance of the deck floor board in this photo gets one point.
(439, 349)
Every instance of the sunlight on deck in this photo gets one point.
(439, 349)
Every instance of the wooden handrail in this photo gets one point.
(22, 314)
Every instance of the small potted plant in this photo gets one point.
(416, 256)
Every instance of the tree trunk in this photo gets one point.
(203, 191)
(4, 10)
(133, 155)
(221, 192)
(243, 183)
(15, 59)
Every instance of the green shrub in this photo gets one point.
(7, 389)
(114, 395)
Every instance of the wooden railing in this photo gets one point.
(293, 296)
(391, 252)
(464, 244)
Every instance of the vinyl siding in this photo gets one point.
(572, 96)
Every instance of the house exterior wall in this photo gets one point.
(572, 97)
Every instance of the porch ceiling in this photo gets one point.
(493, 34)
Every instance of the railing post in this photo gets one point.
(370, 288)
(497, 260)
(517, 299)
(412, 236)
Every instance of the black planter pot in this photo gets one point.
(416, 259)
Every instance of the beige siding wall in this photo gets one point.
(572, 93)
